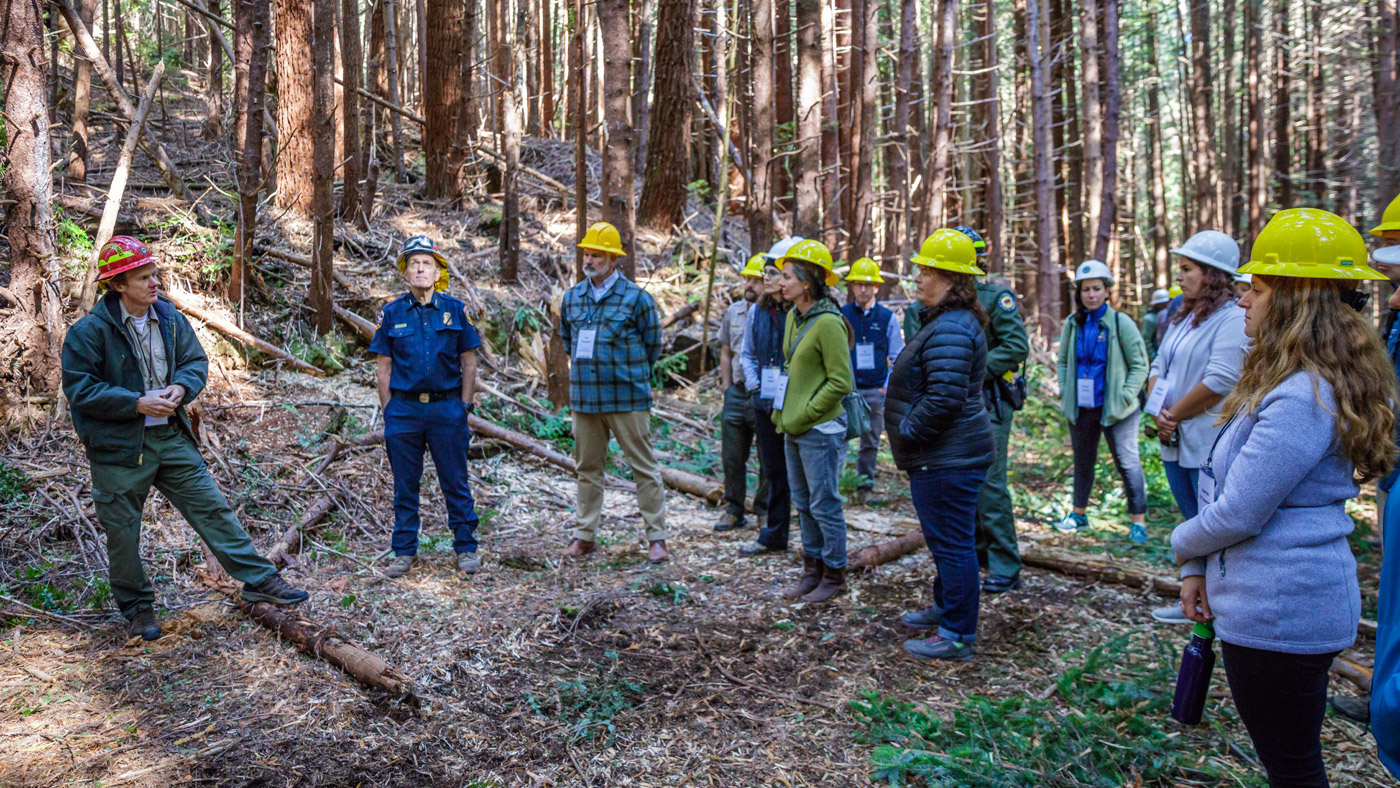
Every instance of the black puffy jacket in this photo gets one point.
(934, 412)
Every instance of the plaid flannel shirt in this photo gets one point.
(628, 343)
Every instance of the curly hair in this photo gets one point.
(1306, 327)
(962, 294)
(1217, 289)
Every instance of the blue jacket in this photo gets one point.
(871, 328)
(1385, 681)
(627, 344)
(425, 342)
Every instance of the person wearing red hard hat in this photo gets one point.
(130, 366)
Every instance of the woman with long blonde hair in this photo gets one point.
(1266, 559)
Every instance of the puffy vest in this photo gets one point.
(870, 330)
(768, 342)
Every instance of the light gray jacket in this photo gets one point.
(1210, 353)
(1279, 573)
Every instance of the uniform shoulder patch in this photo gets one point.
(1007, 302)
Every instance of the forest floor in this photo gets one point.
(537, 672)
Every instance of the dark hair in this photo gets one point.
(1080, 313)
(812, 276)
(1217, 289)
(962, 294)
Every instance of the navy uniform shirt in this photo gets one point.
(426, 342)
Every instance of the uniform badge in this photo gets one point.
(1007, 302)
(447, 318)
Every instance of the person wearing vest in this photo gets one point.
(737, 419)
(130, 367)
(761, 356)
(426, 375)
(878, 342)
(1008, 346)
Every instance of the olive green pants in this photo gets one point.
(996, 521)
(171, 463)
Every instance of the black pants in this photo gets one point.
(1084, 434)
(1282, 699)
(772, 460)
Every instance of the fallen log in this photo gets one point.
(875, 555)
(1357, 674)
(362, 327)
(681, 314)
(305, 262)
(290, 540)
(230, 330)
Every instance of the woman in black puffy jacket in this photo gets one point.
(941, 435)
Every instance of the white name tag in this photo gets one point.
(1205, 488)
(1158, 398)
(586, 338)
(1086, 392)
(155, 421)
(865, 356)
(780, 393)
(768, 388)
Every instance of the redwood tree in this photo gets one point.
(350, 58)
(762, 130)
(662, 203)
(250, 79)
(806, 214)
(322, 131)
(82, 87)
(295, 107)
(619, 205)
(442, 92)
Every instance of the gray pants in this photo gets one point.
(870, 439)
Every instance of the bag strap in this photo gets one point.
(797, 339)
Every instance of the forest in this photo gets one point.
(275, 155)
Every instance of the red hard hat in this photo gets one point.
(122, 253)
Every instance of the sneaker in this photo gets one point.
(145, 625)
(758, 548)
(927, 618)
(274, 590)
(400, 565)
(1137, 534)
(469, 563)
(728, 522)
(1072, 523)
(938, 648)
(1000, 584)
(1170, 614)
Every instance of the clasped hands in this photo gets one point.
(161, 404)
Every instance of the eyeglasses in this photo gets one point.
(772, 274)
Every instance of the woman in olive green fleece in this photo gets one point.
(807, 410)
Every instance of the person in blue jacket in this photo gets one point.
(1385, 681)
(427, 377)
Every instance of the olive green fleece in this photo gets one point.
(819, 369)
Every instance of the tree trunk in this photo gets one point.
(82, 93)
(1316, 158)
(643, 77)
(442, 94)
(350, 58)
(322, 131)
(391, 70)
(1205, 174)
(1258, 193)
(1386, 44)
(31, 332)
(296, 107)
(508, 118)
(786, 125)
(1093, 124)
(832, 220)
(762, 128)
(1049, 278)
(939, 168)
(1066, 133)
(989, 108)
(1108, 213)
(619, 203)
(547, 95)
(897, 217)
(663, 199)
(1157, 204)
(807, 213)
(251, 34)
(864, 90)
(1230, 108)
(214, 82)
(421, 27)
(578, 70)
(1283, 116)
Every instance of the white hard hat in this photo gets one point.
(1093, 269)
(1212, 248)
(780, 249)
(1388, 255)
(1160, 296)
(1245, 278)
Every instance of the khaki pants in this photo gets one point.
(632, 429)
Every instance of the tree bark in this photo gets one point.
(547, 94)
(1093, 124)
(296, 107)
(762, 128)
(251, 39)
(442, 94)
(322, 130)
(1316, 150)
(214, 83)
(1283, 116)
(579, 71)
(642, 80)
(832, 217)
(619, 204)
(940, 171)
(1230, 191)
(1157, 203)
(864, 90)
(1205, 174)
(897, 217)
(807, 216)
(1108, 212)
(391, 70)
(1049, 278)
(785, 131)
(1386, 44)
(82, 96)
(508, 114)
(350, 65)
(1258, 193)
(662, 204)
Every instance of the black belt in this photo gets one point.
(426, 396)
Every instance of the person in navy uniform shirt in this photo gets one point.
(878, 344)
(427, 377)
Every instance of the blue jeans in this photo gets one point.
(814, 461)
(441, 427)
(1183, 484)
(946, 501)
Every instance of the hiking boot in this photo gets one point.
(833, 583)
(1137, 534)
(1073, 523)
(145, 625)
(657, 552)
(938, 648)
(1354, 709)
(579, 548)
(400, 565)
(274, 590)
(728, 522)
(928, 618)
(469, 563)
(758, 548)
(1171, 614)
(1000, 584)
(810, 579)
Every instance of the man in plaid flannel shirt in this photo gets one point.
(613, 333)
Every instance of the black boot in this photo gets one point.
(145, 625)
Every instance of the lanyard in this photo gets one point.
(1211, 454)
(1179, 338)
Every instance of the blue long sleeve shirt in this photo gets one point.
(1091, 354)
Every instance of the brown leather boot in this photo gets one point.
(833, 583)
(578, 548)
(811, 576)
(657, 552)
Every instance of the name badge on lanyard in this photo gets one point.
(1205, 488)
(586, 339)
(780, 391)
(865, 356)
(1086, 392)
(768, 388)
(1158, 398)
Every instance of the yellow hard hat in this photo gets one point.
(1312, 244)
(949, 250)
(754, 267)
(1174, 291)
(816, 253)
(865, 270)
(602, 237)
(1390, 220)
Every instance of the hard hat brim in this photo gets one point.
(957, 268)
(1356, 271)
(1385, 227)
(875, 280)
(124, 267)
(1195, 258)
(1389, 255)
(617, 250)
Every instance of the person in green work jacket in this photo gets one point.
(130, 366)
(1007, 349)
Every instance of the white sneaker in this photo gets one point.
(1170, 614)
